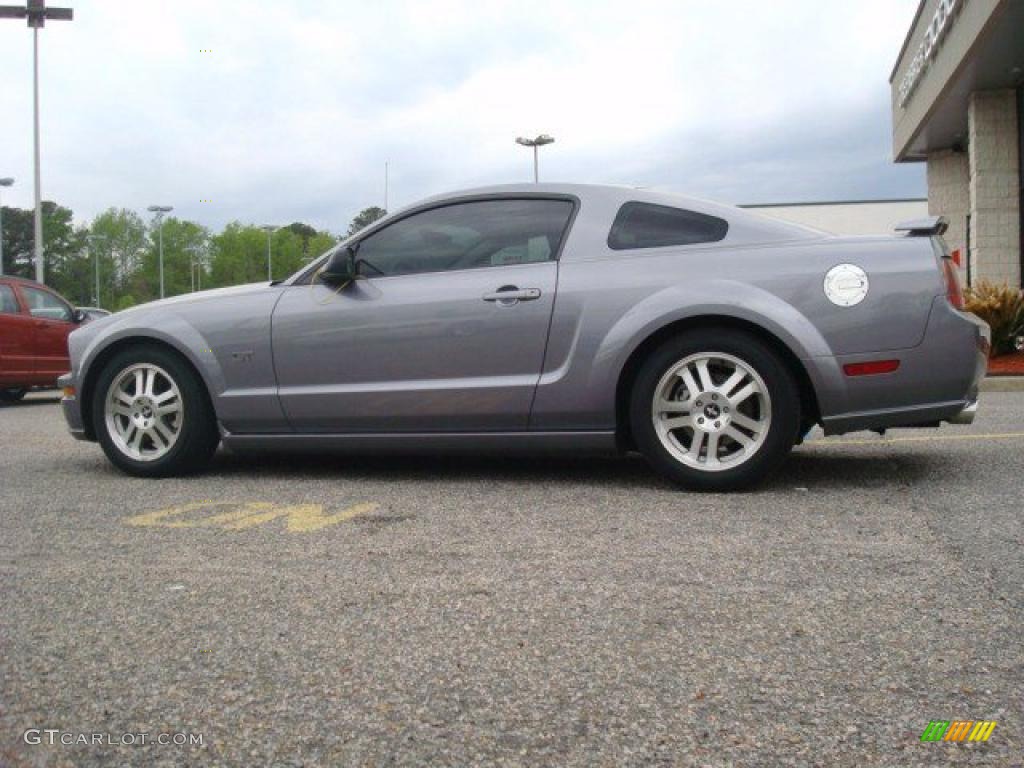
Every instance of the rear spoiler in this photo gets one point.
(927, 226)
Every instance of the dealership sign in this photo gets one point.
(933, 35)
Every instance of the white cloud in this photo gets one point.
(293, 113)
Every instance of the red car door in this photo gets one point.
(17, 336)
(53, 320)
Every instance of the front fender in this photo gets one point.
(160, 325)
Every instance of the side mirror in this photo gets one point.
(340, 268)
(78, 316)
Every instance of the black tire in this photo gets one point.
(198, 436)
(12, 395)
(778, 379)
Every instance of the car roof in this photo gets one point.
(26, 281)
(754, 226)
(582, 191)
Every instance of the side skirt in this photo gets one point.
(523, 443)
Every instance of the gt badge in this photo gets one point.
(846, 285)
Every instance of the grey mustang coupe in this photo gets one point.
(546, 317)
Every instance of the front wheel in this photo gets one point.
(715, 410)
(151, 414)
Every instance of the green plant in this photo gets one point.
(1002, 307)
(125, 302)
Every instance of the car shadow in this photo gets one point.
(31, 400)
(822, 472)
(802, 470)
(605, 470)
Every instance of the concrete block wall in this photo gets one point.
(994, 185)
(949, 195)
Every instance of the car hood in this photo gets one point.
(178, 303)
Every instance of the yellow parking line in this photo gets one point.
(917, 439)
(299, 518)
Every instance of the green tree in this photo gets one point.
(239, 252)
(365, 218)
(18, 242)
(185, 243)
(238, 255)
(120, 244)
(62, 246)
(67, 264)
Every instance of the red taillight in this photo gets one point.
(954, 291)
(871, 367)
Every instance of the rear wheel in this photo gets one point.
(12, 395)
(151, 414)
(715, 410)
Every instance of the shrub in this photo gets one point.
(1002, 307)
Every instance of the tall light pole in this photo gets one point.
(93, 239)
(269, 229)
(159, 211)
(3, 183)
(540, 141)
(37, 13)
(194, 265)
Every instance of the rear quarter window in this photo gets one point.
(644, 225)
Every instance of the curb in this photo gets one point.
(1002, 384)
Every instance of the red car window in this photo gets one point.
(8, 302)
(44, 304)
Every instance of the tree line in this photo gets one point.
(123, 248)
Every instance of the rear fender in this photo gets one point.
(746, 303)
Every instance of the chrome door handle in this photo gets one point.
(513, 296)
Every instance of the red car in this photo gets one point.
(34, 326)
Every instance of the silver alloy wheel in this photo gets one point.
(711, 411)
(143, 412)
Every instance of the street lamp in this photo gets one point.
(269, 229)
(96, 261)
(36, 12)
(159, 211)
(196, 258)
(540, 141)
(3, 183)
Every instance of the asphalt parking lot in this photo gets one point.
(563, 612)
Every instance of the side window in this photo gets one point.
(643, 225)
(45, 305)
(488, 233)
(8, 303)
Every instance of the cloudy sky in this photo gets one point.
(283, 111)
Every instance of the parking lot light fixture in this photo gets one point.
(5, 182)
(93, 239)
(539, 141)
(269, 229)
(159, 211)
(36, 13)
(196, 252)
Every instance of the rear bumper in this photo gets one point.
(966, 416)
(937, 381)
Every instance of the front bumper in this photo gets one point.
(71, 407)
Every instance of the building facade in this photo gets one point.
(957, 104)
